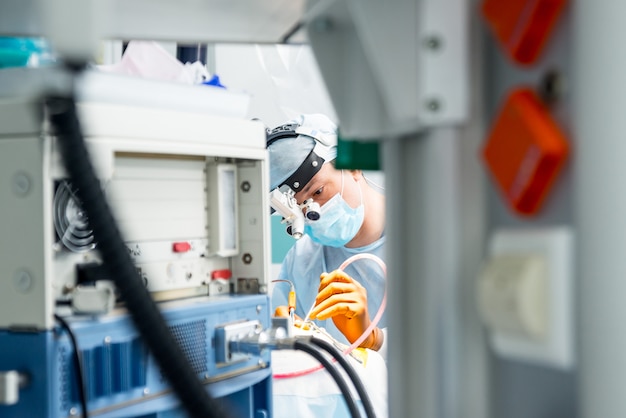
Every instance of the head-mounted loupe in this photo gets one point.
(284, 202)
(311, 210)
(282, 198)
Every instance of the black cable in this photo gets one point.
(143, 310)
(356, 380)
(78, 365)
(334, 372)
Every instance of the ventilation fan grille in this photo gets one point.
(70, 220)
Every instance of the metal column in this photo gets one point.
(599, 89)
(436, 352)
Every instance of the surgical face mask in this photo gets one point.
(338, 223)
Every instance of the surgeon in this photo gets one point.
(344, 216)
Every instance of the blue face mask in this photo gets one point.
(338, 223)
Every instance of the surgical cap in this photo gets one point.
(287, 154)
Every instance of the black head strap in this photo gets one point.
(309, 167)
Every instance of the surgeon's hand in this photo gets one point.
(343, 299)
(282, 311)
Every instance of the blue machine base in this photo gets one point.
(121, 378)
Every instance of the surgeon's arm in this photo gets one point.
(343, 299)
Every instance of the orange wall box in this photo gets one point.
(522, 27)
(524, 151)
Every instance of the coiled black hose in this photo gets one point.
(334, 373)
(354, 377)
(145, 314)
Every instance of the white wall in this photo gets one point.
(283, 80)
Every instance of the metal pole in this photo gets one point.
(431, 259)
(411, 313)
(599, 103)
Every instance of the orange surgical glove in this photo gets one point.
(343, 299)
(282, 311)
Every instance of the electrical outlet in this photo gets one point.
(525, 295)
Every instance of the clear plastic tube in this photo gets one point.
(383, 303)
(370, 328)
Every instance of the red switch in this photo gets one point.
(522, 27)
(525, 151)
(221, 274)
(181, 247)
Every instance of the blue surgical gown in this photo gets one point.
(306, 260)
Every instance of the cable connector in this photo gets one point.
(275, 338)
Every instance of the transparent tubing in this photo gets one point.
(368, 330)
(383, 303)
